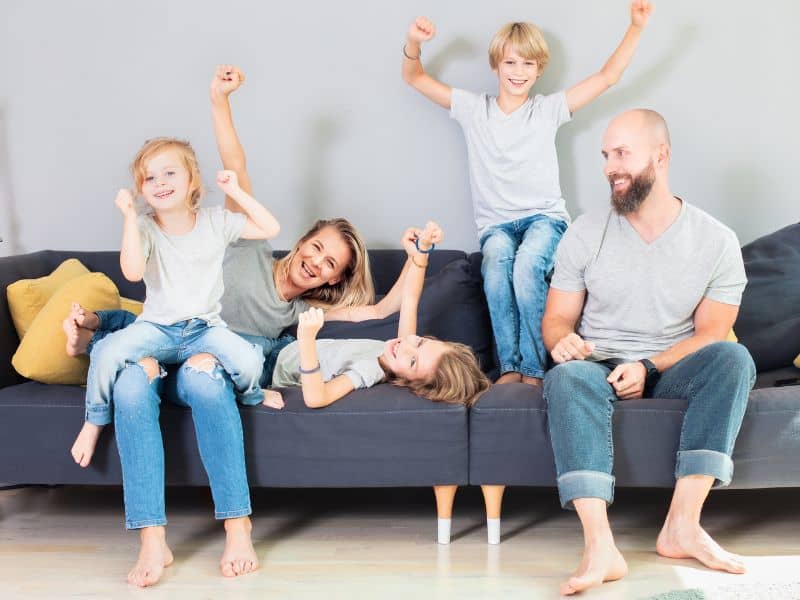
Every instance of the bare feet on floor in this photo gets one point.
(85, 443)
(601, 562)
(154, 555)
(79, 327)
(534, 381)
(510, 377)
(239, 557)
(686, 539)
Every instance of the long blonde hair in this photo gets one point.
(186, 152)
(354, 287)
(456, 379)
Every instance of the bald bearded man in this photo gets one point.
(642, 298)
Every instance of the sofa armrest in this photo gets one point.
(13, 268)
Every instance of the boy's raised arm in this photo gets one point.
(422, 30)
(587, 90)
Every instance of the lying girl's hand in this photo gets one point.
(273, 399)
(309, 323)
(432, 234)
(228, 182)
(408, 241)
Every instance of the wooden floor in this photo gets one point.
(69, 542)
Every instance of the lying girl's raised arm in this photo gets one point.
(418, 244)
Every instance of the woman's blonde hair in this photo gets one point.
(354, 287)
(184, 149)
(525, 38)
(457, 379)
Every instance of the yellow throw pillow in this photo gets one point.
(797, 361)
(133, 306)
(42, 355)
(732, 337)
(27, 297)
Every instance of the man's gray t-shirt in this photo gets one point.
(183, 273)
(251, 303)
(357, 359)
(640, 297)
(513, 166)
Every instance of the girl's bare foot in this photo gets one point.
(154, 555)
(510, 377)
(534, 381)
(84, 318)
(239, 557)
(85, 443)
(601, 562)
(686, 539)
(79, 327)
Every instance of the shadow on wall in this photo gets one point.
(454, 50)
(602, 110)
(9, 224)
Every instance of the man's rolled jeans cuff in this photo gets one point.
(705, 462)
(145, 523)
(585, 484)
(233, 514)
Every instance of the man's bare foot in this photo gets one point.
(154, 555)
(534, 381)
(601, 562)
(686, 539)
(239, 557)
(85, 443)
(510, 377)
(79, 327)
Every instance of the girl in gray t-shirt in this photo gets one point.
(326, 370)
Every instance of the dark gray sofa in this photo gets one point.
(383, 436)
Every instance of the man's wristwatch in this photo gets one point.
(652, 374)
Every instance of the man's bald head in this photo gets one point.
(644, 122)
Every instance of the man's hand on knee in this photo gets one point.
(628, 380)
(571, 347)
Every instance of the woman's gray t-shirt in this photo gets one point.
(357, 359)
(251, 303)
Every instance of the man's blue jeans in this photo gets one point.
(517, 263)
(716, 380)
(167, 344)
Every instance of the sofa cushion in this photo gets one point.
(769, 318)
(41, 355)
(27, 297)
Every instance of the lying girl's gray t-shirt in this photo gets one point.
(640, 297)
(357, 359)
(251, 303)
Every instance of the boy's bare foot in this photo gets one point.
(239, 557)
(79, 327)
(84, 318)
(534, 381)
(85, 443)
(510, 377)
(686, 539)
(601, 562)
(273, 399)
(154, 555)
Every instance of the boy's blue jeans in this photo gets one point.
(716, 380)
(517, 262)
(166, 344)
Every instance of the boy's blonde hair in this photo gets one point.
(354, 287)
(457, 379)
(525, 38)
(186, 152)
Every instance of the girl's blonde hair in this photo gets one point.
(354, 287)
(457, 379)
(184, 149)
(525, 38)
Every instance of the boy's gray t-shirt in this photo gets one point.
(513, 165)
(183, 273)
(641, 298)
(251, 303)
(358, 359)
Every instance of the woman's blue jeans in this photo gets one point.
(517, 262)
(716, 380)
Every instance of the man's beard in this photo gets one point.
(638, 189)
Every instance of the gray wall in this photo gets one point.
(331, 129)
